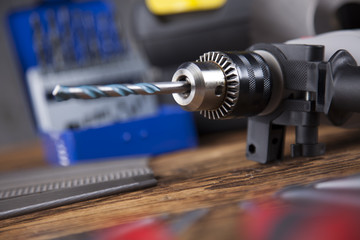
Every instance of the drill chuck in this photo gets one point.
(225, 84)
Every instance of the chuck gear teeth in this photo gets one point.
(231, 84)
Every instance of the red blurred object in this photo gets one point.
(149, 229)
(280, 221)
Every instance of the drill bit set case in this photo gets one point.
(78, 43)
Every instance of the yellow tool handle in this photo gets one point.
(168, 7)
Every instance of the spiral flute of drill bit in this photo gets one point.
(62, 93)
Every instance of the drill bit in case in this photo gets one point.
(78, 43)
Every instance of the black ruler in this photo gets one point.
(33, 190)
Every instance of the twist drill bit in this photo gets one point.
(62, 93)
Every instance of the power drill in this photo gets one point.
(273, 85)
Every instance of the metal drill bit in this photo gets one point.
(62, 93)
(39, 41)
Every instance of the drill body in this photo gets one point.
(278, 85)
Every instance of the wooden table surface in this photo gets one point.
(216, 176)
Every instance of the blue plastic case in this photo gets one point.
(170, 130)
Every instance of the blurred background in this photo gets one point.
(44, 43)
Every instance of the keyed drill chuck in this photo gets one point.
(225, 84)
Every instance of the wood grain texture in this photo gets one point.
(22, 157)
(215, 174)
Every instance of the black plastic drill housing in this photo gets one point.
(311, 87)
